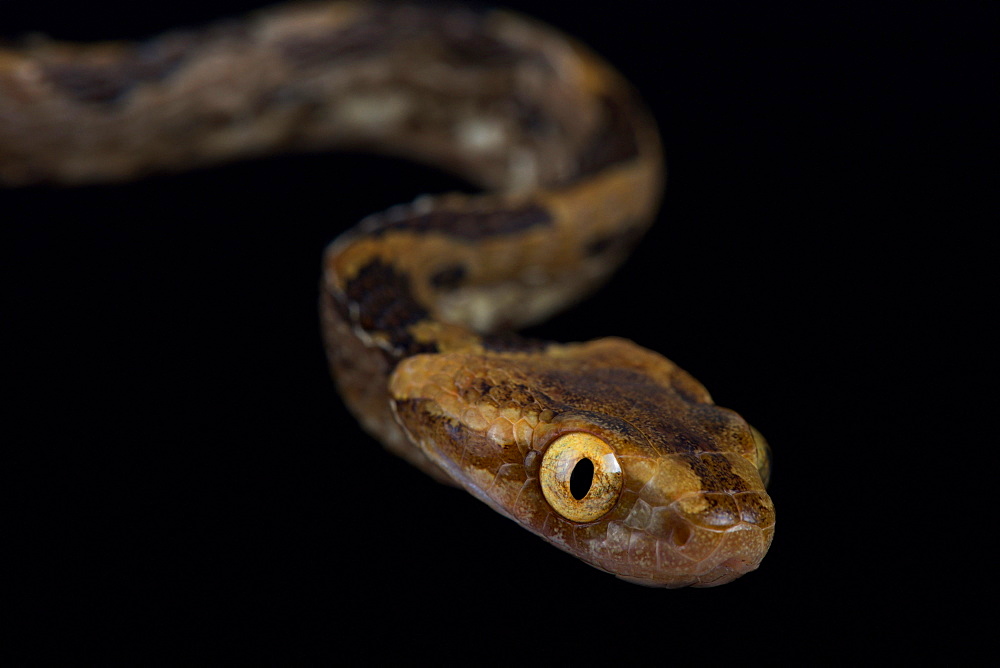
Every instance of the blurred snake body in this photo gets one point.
(605, 449)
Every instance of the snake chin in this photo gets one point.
(722, 573)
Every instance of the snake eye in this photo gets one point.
(581, 477)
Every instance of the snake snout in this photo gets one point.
(720, 536)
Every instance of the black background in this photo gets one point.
(188, 484)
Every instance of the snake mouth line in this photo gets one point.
(726, 572)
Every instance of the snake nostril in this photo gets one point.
(681, 534)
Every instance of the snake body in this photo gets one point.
(605, 449)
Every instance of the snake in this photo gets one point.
(605, 449)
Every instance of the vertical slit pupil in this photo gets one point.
(581, 478)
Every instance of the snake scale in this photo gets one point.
(605, 449)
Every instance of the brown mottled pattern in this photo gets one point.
(457, 31)
(106, 80)
(411, 297)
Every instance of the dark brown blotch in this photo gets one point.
(717, 472)
(458, 35)
(306, 51)
(511, 342)
(514, 394)
(532, 118)
(615, 140)
(89, 83)
(471, 225)
(449, 278)
(452, 438)
(108, 81)
(385, 304)
(620, 241)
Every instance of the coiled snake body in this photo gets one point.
(605, 449)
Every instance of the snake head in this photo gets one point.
(605, 449)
